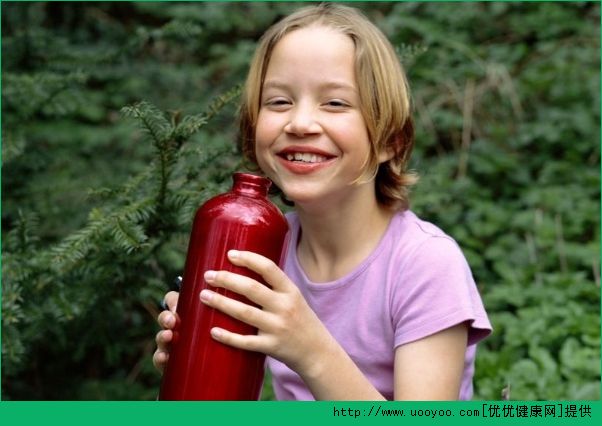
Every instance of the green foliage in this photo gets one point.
(508, 106)
(118, 122)
(80, 286)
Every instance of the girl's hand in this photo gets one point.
(167, 320)
(288, 329)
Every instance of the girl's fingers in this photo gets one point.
(248, 342)
(234, 308)
(270, 272)
(167, 320)
(171, 299)
(160, 359)
(253, 290)
(163, 339)
(268, 297)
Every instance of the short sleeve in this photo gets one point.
(435, 290)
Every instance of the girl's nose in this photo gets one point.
(302, 122)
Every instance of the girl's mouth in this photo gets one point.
(305, 157)
(304, 161)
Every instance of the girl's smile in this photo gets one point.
(301, 159)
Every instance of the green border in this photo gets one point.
(261, 413)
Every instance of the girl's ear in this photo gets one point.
(385, 154)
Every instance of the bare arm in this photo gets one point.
(430, 368)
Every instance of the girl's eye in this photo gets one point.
(336, 103)
(277, 102)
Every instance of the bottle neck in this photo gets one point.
(250, 185)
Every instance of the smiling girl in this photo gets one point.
(371, 302)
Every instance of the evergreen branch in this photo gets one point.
(161, 132)
(13, 349)
(26, 94)
(189, 126)
(168, 147)
(24, 235)
(128, 235)
(132, 184)
(193, 123)
(187, 202)
(407, 53)
(221, 101)
(152, 120)
(168, 138)
(76, 246)
(179, 30)
(164, 178)
(11, 301)
(13, 145)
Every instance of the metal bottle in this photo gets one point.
(200, 368)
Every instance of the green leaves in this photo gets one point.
(50, 93)
(115, 250)
(152, 120)
(515, 178)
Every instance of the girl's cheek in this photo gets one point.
(265, 166)
(267, 127)
(266, 134)
(261, 145)
(261, 152)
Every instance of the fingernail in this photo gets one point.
(233, 254)
(206, 295)
(216, 332)
(210, 276)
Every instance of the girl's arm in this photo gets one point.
(431, 368)
(290, 331)
(428, 369)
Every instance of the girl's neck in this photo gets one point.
(334, 241)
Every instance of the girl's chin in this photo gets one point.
(304, 195)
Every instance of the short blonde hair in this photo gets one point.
(383, 91)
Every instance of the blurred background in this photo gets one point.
(118, 121)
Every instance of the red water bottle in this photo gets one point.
(200, 368)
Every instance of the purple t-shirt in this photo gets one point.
(415, 283)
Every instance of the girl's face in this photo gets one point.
(311, 138)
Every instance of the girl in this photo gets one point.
(371, 302)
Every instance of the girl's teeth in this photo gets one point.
(305, 157)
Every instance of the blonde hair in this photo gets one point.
(383, 91)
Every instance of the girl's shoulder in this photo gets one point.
(411, 228)
(411, 236)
